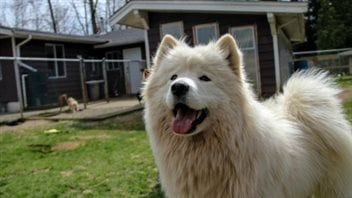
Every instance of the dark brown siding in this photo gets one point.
(71, 85)
(225, 21)
(8, 83)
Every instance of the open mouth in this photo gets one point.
(186, 119)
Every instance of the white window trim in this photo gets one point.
(255, 48)
(113, 68)
(195, 34)
(55, 62)
(182, 32)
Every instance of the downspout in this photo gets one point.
(272, 22)
(146, 39)
(18, 46)
(17, 75)
(17, 53)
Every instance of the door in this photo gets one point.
(133, 74)
(115, 74)
(36, 89)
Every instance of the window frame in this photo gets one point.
(255, 48)
(115, 65)
(54, 45)
(182, 31)
(196, 27)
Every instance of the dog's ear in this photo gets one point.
(229, 48)
(168, 43)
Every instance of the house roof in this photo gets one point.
(121, 37)
(48, 36)
(110, 39)
(288, 15)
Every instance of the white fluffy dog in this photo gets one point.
(212, 138)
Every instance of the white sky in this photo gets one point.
(37, 12)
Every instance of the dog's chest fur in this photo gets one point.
(204, 166)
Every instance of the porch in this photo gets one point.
(97, 110)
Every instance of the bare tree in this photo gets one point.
(60, 16)
(21, 20)
(53, 21)
(38, 14)
(63, 19)
(82, 24)
(93, 9)
(86, 15)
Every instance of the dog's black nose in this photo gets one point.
(179, 89)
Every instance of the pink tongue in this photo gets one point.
(182, 122)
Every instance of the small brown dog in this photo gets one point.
(62, 101)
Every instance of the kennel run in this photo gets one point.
(39, 81)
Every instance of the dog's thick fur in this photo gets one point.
(297, 144)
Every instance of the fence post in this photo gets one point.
(106, 92)
(83, 82)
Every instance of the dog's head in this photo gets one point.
(190, 84)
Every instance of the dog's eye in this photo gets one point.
(173, 77)
(204, 78)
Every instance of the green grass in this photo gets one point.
(348, 108)
(102, 159)
(111, 158)
(344, 81)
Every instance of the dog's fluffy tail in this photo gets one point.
(311, 96)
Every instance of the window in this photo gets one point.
(202, 34)
(175, 29)
(114, 65)
(246, 39)
(93, 68)
(57, 69)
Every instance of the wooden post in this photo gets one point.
(106, 92)
(83, 82)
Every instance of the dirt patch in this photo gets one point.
(20, 127)
(346, 94)
(90, 137)
(66, 173)
(66, 146)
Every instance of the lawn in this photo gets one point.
(102, 159)
(111, 158)
(346, 83)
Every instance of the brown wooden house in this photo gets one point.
(265, 30)
(42, 81)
